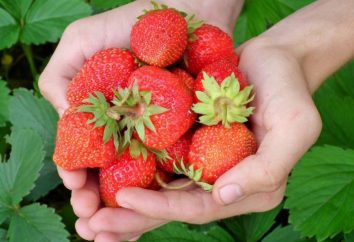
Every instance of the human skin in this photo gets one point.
(286, 65)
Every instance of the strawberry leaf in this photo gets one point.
(287, 233)
(177, 232)
(20, 172)
(16, 8)
(4, 100)
(9, 30)
(46, 19)
(321, 193)
(29, 112)
(108, 4)
(37, 222)
(252, 227)
(257, 16)
(3, 233)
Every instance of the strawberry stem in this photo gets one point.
(170, 187)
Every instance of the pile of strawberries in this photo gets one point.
(176, 103)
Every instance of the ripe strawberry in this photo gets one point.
(216, 149)
(104, 71)
(159, 37)
(185, 76)
(126, 171)
(220, 70)
(178, 151)
(157, 107)
(165, 178)
(79, 144)
(208, 44)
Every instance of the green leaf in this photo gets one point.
(9, 30)
(5, 212)
(4, 100)
(258, 15)
(349, 237)
(251, 227)
(287, 233)
(30, 112)
(20, 172)
(46, 19)
(338, 119)
(108, 4)
(17, 8)
(39, 223)
(179, 232)
(321, 193)
(3, 233)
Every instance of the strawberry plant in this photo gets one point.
(35, 206)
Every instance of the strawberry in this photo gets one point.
(178, 151)
(220, 70)
(157, 107)
(221, 97)
(104, 71)
(125, 171)
(165, 178)
(215, 150)
(159, 37)
(207, 45)
(184, 76)
(79, 144)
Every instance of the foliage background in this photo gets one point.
(34, 205)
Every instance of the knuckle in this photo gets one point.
(72, 28)
(271, 201)
(270, 177)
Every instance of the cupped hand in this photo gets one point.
(81, 40)
(286, 123)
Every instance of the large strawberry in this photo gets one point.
(79, 144)
(215, 150)
(159, 37)
(157, 106)
(207, 45)
(184, 76)
(177, 152)
(126, 171)
(105, 71)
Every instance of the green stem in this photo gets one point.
(29, 56)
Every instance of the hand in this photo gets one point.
(284, 108)
(81, 40)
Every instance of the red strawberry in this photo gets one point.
(126, 171)
(217, 149)
(104, 71)
(165, 178)
(158, 108)
(159, 38)
(178, 151)
(208, 44)
(80, 145)
(184, 76)
(220, 70)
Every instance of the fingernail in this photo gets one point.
(230, 193)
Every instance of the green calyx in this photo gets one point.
(193, 24)
(98, 106)
(136, 148)
(192, 174)
(133, 109)
(157, 6)
(224, 103)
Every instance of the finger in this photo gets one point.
(282, 146)
(72, 179)
(193, 206)
(84, 230)
(86, 200)
(122, 221)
